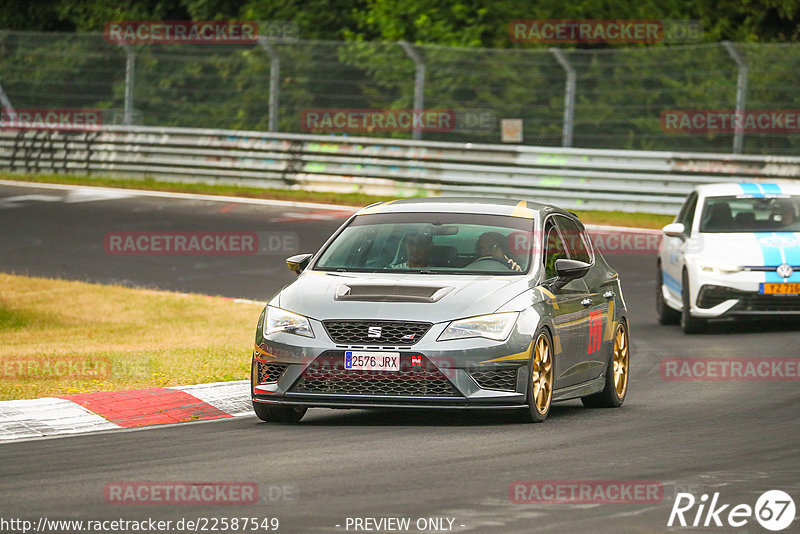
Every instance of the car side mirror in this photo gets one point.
(569, 270)
(675, 230)
(298, 262)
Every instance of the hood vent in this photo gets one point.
(391, 292)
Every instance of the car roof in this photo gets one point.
(478, 205)
(748, 188)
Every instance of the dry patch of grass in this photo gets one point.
(621, 218)
(62, 337)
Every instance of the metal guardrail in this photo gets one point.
(655, 182)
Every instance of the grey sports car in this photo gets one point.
(445, 303)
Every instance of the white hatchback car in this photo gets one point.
(733, 250)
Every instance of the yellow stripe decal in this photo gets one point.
(526, 354)
(522, 210)
(611, 324)
(547, 293)
(370, 210)
(573, 322)
(262, 351)
(557, 344)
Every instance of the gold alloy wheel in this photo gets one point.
(621, 354)
(542, 374)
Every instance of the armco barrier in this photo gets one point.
(655, 182)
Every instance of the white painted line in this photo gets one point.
(184, 196)
(229, 397)
(90, 195)
(244, 200)
(15, 202)
(229, 299)
(47, 417)
(248, 301)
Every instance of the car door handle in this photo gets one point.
(586, 302)
(609, 294)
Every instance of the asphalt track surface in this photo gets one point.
(736, 438)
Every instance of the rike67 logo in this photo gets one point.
(774, 510)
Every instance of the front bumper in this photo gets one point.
(719, 295)
(459, 374)
(738, 302)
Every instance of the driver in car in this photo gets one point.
(786, 213)
(491, 245)
(417, 247)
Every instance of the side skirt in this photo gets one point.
(583, 389)
(674, 303)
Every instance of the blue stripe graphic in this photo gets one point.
(671, 283)
(751, 189)
(792, 254)
(771, 189)
(771, 251)
(760, 190)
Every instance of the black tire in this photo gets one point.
(613, 396)
(533, 413)
(666, 315)
(279, 414)
(689, 324)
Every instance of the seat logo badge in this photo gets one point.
(785, 270)
(374, 331)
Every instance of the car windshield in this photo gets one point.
(452, 243)
(751, 214)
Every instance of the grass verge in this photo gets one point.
(615, 218)
(62, 337)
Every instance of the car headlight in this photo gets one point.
(718, 268)
(496, 326)
(279, 320)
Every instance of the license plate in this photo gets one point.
(372, 361)
(778, 288)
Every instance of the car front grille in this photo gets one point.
(749, 301)
(327, 375)
(270, 372)
(504, 379)
(383, 332)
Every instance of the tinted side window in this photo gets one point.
(554, 249)
(688, 215)
(575, 240)
(682, 213)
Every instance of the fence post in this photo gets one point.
(419, 84)
(130, 76)
(6, 104)
(569, 96)
(741, 96)
(274, 81)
